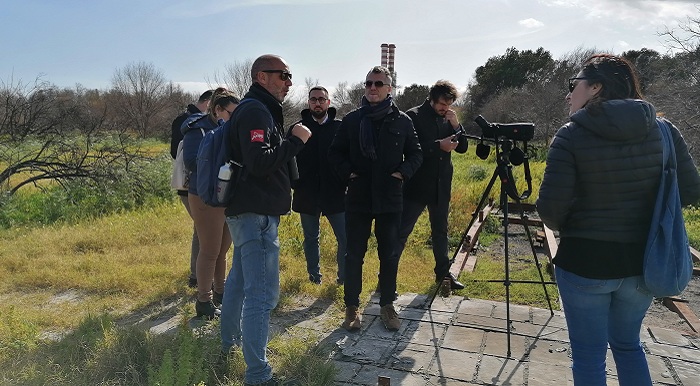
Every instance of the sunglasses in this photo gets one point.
(572, 84)
(376, 83)
(319, 100)
(284, 74)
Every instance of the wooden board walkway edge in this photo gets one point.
(464, 260)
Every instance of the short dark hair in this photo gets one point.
(318, 88)
(205, 96)
(443, 89)
(381, 70)
(615, 74)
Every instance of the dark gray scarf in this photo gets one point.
(369, 113)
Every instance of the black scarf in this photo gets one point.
(369, 113)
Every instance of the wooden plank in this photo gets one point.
(550, 243)
(682, 309)
(463, 256)
(696, 255)
(530, 222)
(383, 381)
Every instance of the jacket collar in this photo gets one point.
(258, 92)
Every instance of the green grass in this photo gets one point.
(71, 289)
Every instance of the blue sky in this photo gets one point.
(69, 42)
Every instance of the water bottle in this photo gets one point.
(225, 172)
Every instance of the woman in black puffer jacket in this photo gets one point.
(598, 191)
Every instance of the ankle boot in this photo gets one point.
(207, 309)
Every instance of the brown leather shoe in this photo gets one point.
(390, 318)
(353, 320)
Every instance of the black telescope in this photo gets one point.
(514, 131)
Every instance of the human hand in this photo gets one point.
(397, 175)
(448, 144)
(451, 117)
(302, 132)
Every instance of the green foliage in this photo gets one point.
(146, 184)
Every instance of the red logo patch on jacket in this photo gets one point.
(257, 136)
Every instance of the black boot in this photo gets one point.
(454, 284)
(207, 309)
(217, 298)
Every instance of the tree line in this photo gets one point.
(60, 134)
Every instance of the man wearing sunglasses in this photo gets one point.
(318, 191)
(436, 125)
(375, 150)
(261, 196)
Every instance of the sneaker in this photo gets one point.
(192, 282)
(353, 320)
(390, 318)
(217, 298)
(207, 309)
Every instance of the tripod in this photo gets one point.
(504, 172)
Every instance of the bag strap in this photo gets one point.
(669, 151)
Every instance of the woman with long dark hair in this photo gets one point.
(599, 188)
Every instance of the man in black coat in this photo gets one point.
(375, 150)
(318, 191)
(436, 125)
(176, 136)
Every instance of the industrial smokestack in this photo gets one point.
(390, 59)
(385, 55)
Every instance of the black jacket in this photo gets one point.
(433, 180)
(175, 134)
(603, 171)
(318, 189)
(257, 138)
(374, 190)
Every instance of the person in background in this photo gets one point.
(214, 238)
(176, 136)
(436, 125)
(375, 150)
(262, 195)
(318, 191)
(598, 190)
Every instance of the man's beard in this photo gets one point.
(318, 114)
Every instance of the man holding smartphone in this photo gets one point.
(439, 134)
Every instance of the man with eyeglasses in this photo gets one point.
(318, 191)
(375, 150)
(436, 125)
(261, 196)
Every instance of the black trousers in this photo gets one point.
(437, 213)
(358, 227)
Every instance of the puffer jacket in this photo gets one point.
(603, 171)
(193, 130)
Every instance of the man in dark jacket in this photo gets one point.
(261, 196)
(436, 125)
(318, 191)
(175, 137)
(375, 150)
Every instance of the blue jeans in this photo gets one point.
(599, 312)
(252, 290)
(310, 224)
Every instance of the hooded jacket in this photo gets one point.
(603, 172)
(258, 143)
(318, 189)
(193, 130)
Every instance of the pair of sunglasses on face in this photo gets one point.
(284, 74)
(573, 83)
(376, 83)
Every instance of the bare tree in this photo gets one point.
(57, 135)
(687, 37)
(236, 77)
(140, 93)
(347, 97)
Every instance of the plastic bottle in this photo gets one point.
(225, 172)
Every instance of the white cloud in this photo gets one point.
(640, 12)
(623, 44)
(531, 23)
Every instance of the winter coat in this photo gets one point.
(193, 129)
(433, 179)
(375, 190)
(318, 189)
(258, 142)
(603, 171)
(176, 133)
